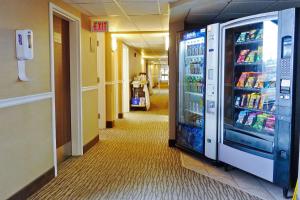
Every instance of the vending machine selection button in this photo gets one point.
(281, 96)
(287, 97)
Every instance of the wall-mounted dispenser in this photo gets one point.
(24, 51)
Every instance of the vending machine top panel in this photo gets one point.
(194, 34)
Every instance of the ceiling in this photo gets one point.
(128, 15)
(210, 11)
(153, 44)
(132, 16)
(150, 18)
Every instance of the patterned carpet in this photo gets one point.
(133, 161)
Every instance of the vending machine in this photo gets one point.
(197, 79)
(259, 88)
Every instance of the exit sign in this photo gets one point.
(100, 26)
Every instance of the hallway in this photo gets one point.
(133, 161)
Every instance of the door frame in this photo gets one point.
(116, 82)
(101, 81)
(126, 81)
(75, 80)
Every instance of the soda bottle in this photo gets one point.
(199, 85)
(194, 84)
(190, 84)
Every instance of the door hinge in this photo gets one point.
(98, 80)
(98, 115)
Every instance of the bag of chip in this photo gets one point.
(250, 119)
(270, 124)
(260, 120)
(259, 54)
(250, 82)
(242, 80)
(242, 56)
(259, 34)
(252, 34)
(242, 37)
(251, 57)
(260, 81)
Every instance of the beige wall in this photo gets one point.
(109, 78)
(25, 145)
(89, 56)
(89, 78)
(26, 149)
(90, 112)
(120, 76)
(135, 64)
(173, 70)
(15, 15)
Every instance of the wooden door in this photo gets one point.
(62, 87)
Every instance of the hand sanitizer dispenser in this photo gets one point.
(24, 50)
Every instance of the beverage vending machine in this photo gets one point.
(198, 76)
(259, 88)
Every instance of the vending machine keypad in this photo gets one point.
(285, 67)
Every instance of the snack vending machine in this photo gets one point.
(192, 90)
(259, 90)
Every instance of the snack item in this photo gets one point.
(259, 54)
(242, 37)
(259, 34)
(263, 102)
(256, 102)
(244, 100)
(250, 82)
(242, 80)
(273, 108)
(259, 82)
(242, 56)
(237, 101)
(252, 34)
(250, 119)
(260, 119)
(270, 124)
(252, 100)
(251, 57)
(270, 81)
(241, 117)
